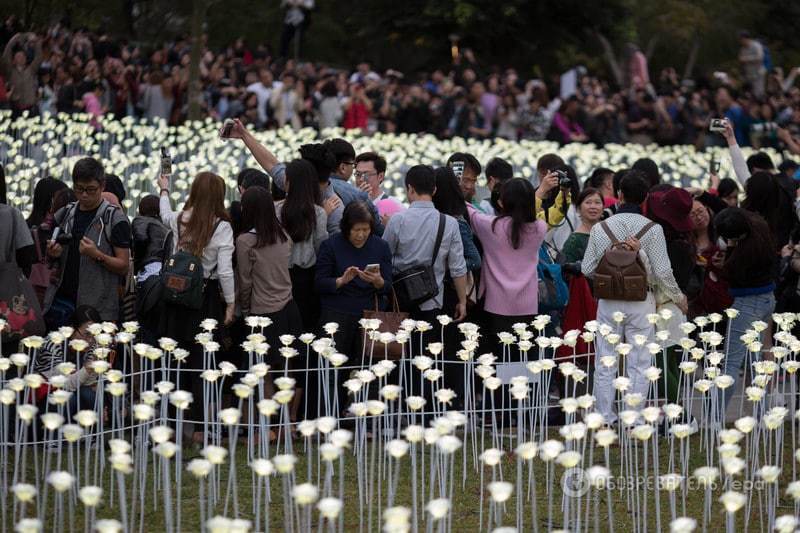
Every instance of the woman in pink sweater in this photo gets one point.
(511, 244)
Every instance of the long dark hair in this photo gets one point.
(298, 216)
(258, 213)
(763, 196)
(448, 198)
(518, 202)
(43, 195)
(755, 248)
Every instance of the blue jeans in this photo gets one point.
(751, 308)
(87, 394)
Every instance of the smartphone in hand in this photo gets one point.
(225, 132)
(713, 166)
(166, 163)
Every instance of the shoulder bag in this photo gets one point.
(417, 284)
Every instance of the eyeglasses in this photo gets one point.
(85, 190)
(364, 174)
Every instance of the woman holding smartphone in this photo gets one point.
(354, 273)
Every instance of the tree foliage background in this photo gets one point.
(535, 36)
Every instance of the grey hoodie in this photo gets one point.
(97, 285)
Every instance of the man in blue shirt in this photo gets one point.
(339, 183)
(728, 107)
(333, 170)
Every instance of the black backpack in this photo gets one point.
(182, 278)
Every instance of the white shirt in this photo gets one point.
(218, 253)
(653, 251)
(262, 93)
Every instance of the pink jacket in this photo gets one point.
(508, 276)
(93, 107)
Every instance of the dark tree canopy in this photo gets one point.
(534, 36)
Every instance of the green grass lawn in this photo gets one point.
(465, 496)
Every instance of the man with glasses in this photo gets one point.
(370, 171)
(334, 161)
(338, 190)
(91, 245)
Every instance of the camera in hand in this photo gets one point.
(61, 238)
(563, 179)
(717, 124)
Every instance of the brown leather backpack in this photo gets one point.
(621, 274)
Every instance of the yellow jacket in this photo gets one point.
(555, 213)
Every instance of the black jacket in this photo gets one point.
(152, 241)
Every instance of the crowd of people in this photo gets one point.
(316, 241)
(68, 71)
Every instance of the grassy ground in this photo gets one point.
(465, 497)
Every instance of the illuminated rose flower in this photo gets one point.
(500, 491)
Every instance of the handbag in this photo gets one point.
(41, 272)
(19, 305)
(553, 290)
(418, 284)
(390, 323)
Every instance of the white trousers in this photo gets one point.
(636, 362)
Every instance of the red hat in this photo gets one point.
(672, 207)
